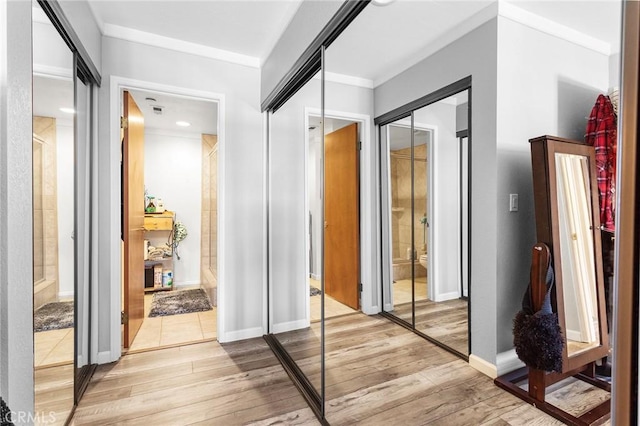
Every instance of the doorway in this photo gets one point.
(340, 221)
(182, 144)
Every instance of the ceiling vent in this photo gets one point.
(157, 110)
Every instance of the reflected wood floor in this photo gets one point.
(378, 373)
(446, 321)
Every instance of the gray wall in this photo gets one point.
(546, 86)
(308, 21)
(473, 54)
(16, 273)
(244, 279)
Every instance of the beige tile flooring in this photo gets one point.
(332, 307)
(53, 347)
(402, 290)
(173, 330)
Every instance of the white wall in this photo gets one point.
(16, 216)
(64, 158)
(546, 86)
(445, 221)
(173, 172)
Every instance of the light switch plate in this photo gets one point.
(513, 202)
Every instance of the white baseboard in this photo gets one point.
(371, 310)
(574, 335)
(283, 327)
(388, 307)
(315, 276)
(106, 357)
(65, 294)
(185, 283)
(233, 336)
(446, 296)
(483, 366)
(506, 362)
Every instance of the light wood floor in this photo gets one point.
(378, 373)
(332, 308)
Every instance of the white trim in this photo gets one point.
(117, 84)
(483, 366)
(106, 357)
(283, 327)
(443, 297)
(369, 294)
(537, 22)
(307, 239)
(65, 294)
(234, 336)
(315, 276)
(186, 283)
(574, 335)
(495, 9)
(508, 361)
(267, 316)
(53, 72)
(150, 39)
(350, 80)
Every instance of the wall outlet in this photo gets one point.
(513, 202)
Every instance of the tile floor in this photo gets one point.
(174, 329)
(53, 347)
(332, 307)
(402, 290)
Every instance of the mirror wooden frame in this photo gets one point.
(543, 157)
(582, 365)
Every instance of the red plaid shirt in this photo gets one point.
(602, 134)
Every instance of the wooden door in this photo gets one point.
(133, 187)
(342, 216)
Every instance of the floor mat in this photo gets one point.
(53, 316)
(179, 302)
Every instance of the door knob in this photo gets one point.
(326, 225)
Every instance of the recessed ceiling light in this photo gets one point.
(183, 124)
(381, 2)
(68, 110)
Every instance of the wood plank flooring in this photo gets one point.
(378, 373)
(446, 321)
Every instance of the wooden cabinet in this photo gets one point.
(159, 231)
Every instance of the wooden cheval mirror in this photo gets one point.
(567, 221)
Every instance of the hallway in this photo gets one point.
(377, 373)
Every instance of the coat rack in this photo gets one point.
(539, 380)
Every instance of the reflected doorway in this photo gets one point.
(425, 214)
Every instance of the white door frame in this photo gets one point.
(368, 296)
(117, 84)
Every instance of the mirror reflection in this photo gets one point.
(577, 253)
(54, 220)
(293, 294)
(426, 158)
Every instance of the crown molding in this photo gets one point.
(547, 26)
(151, 39)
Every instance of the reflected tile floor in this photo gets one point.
(332, 308)
(53, 347)
(174, 330)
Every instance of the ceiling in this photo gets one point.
(247, 27)
(201, 115)
(252, 27)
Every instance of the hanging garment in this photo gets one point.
(602, 134)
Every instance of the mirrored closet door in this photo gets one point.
(424, 166)
(63, 214)
(295, 298)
